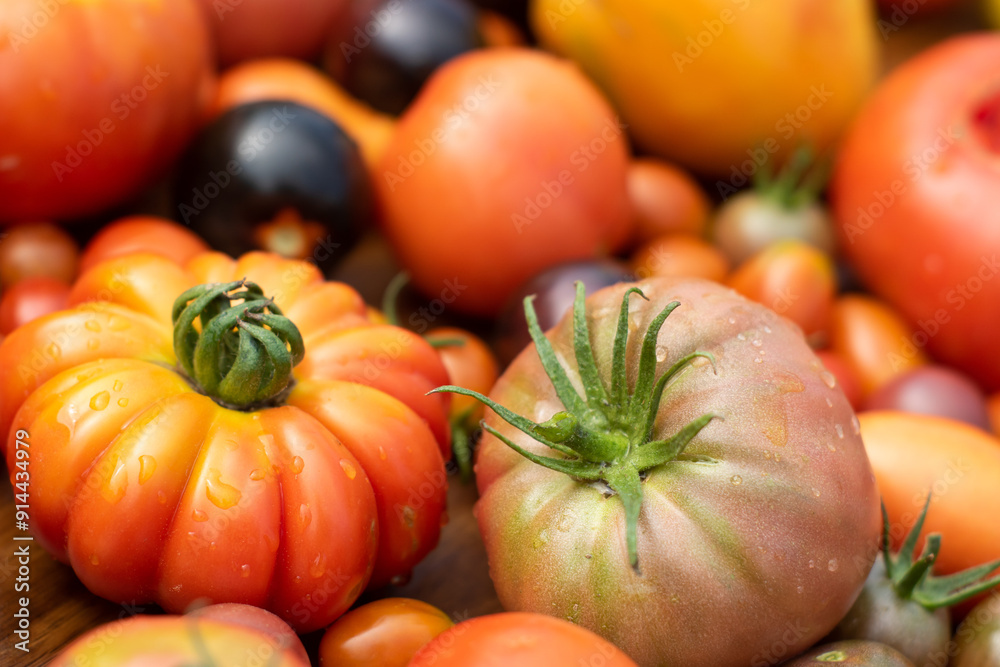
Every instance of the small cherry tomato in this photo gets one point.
(37, 249)
(792, 278)
(142, 233)
(873, 340)
(666, 199)
(30, 299)
(933, 390)
(681, 256)
(844, 374)
(383, 633)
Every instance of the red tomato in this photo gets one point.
(679, 256)
(384, 633)
(209, 635)
(225, 481)
(916, 194)
(37, 249)
(508, 162)
(246, 29)
(531, 640)
(30, 299)
(665, 199)
(140, 233)
(96, 99)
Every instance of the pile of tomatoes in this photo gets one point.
(701, 297)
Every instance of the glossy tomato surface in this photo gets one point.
(770, 516)
(922, 163)
(30, 299)
(151, 490)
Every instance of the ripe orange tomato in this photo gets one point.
(96, 99)
(680, 256)
(141, 233)
(30, 299)
(508, 162)
(665, 199)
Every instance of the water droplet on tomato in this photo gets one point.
(257, 474)
(147, 466)
(317, 568)
(231, 445)
(53, 351)
(199, 516)
(829, 403)
(297, 579)
(832, 565)
(816, 493)
(777, 457)
(757, 360)
(799, 589)
(829, 379)
(661, 352)
(297, 464)
(812, 564)
(756, 342)
(855, 425)
(349, 469)
(740, 336)
(736, 480)
(117, 483)
(305, 515)
(221, 495)
(831, 446)
(840, 430)
(92, 325)
(381, 453)
(162, 497)
(94, 560)
(117, 386)
(767, 329)
(100, 400)
(245, 570)
(122, 402)
(732, 320)
(767, 454)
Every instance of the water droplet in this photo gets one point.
(756, 342)
(828, 379)
(147, 466)
(732, 320)
(740, 336)
(92, 325)
(855, 425)
(162, 497)
(799, 589)
(231, 445)
(305, 515)
(53, 351)
(349, 469)
(757, 360)
(816, 492)
(736, 480)
(297, 579)
(661, 352)
(257, 474)
(767, 454)
(831, 446)
(840, 430)
(100, 401)
(221, 495)
(381, 453)
(297, 464)
(117, 483)
(122, 402)
(829, 403)
(767, 329)
(117, 386)
(93, 344)
(199, 516)
(94, 560)
(777, 457)
(812, 564)
(317, 568)
(212, 546)
(832, 565)
(245, 570)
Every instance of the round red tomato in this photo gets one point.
(916, 193)
(96, 99)
(736, 497)
(508, 162)
(283, 454)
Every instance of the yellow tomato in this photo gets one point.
(721, 85)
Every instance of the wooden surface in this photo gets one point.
(454, 578)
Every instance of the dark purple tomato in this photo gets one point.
(851, 653)
(390, 47)
(554, 290)
(933, 390)
(275, 176)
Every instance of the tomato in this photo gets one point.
(922, 162)
(470, 363)
(915, 454)
(851, 653)
(383, 633)
(873, 340)
(248, 482)
(794, 279)
(508, 162)
(666, 509)
(245, 29)
(96, 99)
(34, 250)
(532, 640)
(993, 409)
(142, 233)
(295, 81)
(665, 199)
(933, 390)
(498, 30)
(209, 635)
(30, 299)
(681, 256)
(844, 375)
(797, 69)
(977, 639)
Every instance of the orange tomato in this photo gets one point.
(295, 81)
(142, 233)
(873, 340)
(792, 278)
(680, 256)
(508, 162)
(912, 455)
(665, 199)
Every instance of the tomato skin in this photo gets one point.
(37, 249)
(383, 633)
(532, 640)
(851, 653)
(124, 87)
(465, 213)
(846, 378)
(224, 631)
(142, 233)
(913, 454)
(680, 256)
(978, 636)
(922, 161)
(174, 497)
(557, 546)
(666, 199)
(30, 299)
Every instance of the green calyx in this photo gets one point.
(243, 352)
(607, 434)
(912, 579)
(797, 184)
